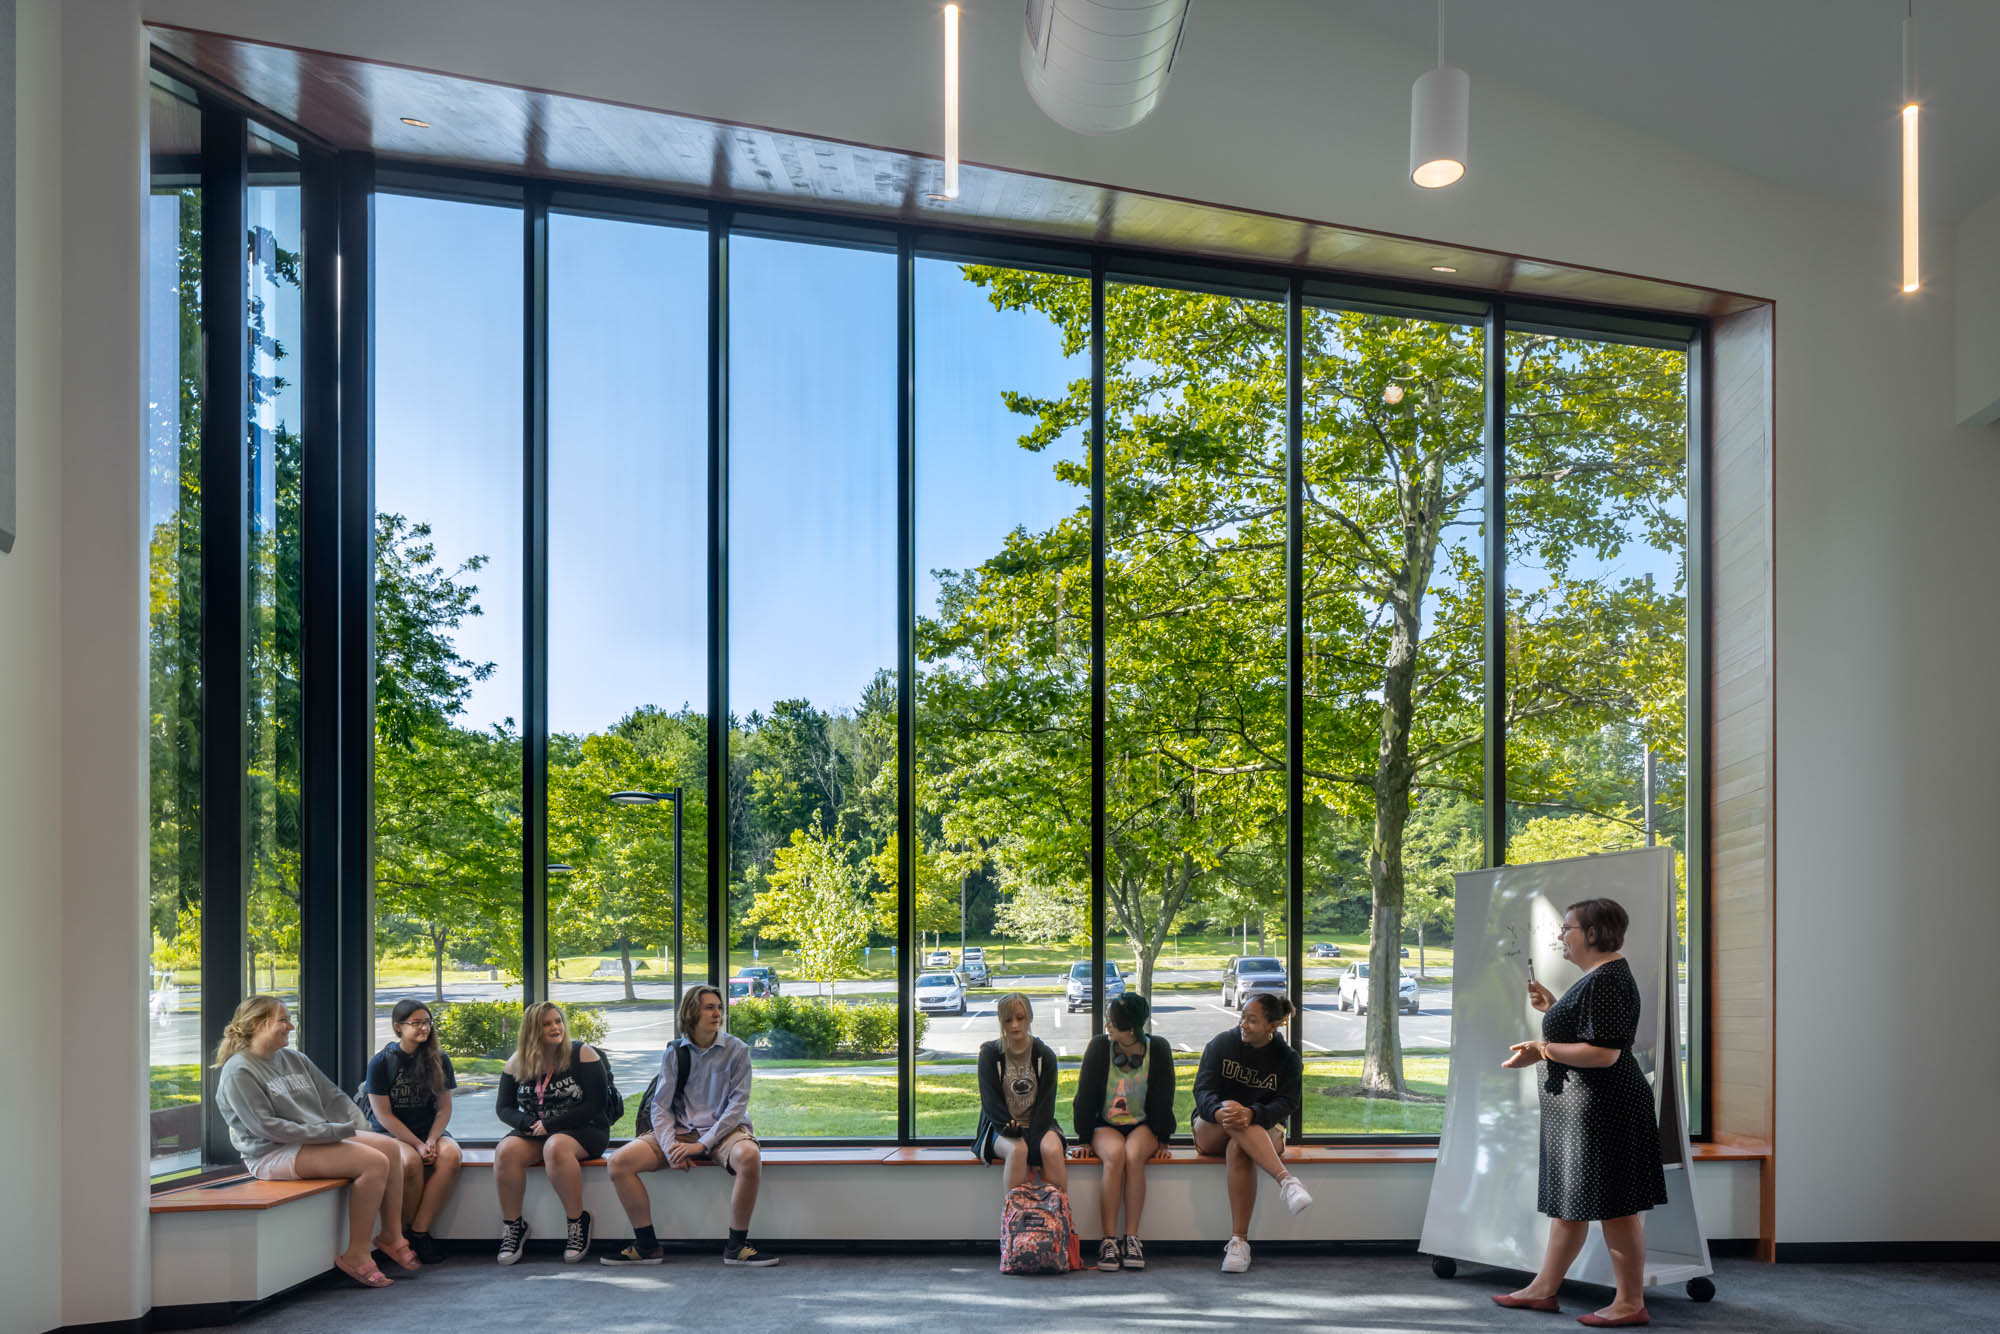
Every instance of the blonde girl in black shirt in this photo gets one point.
(552, 1094)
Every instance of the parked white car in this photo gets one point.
(941, 993)
(1354, 990)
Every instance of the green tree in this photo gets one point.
(816, 899)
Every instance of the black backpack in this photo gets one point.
(395, 1053)
(643, 1123)
(614, 1101)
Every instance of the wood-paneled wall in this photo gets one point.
(1741, 744)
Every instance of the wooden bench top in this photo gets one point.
(249, 1193)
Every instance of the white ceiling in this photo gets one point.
(1803, 93)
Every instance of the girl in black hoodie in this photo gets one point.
(1124, 1111)
(1017, 1100)
(1245, 1092)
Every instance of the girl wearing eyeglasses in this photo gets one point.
(1600, 1140)
(1124, 1111)
(409, 1099)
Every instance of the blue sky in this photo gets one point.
(813, 450)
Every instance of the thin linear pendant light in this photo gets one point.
(1440, 115)
(1912, 279)
(950, 188)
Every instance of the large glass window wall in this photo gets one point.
(676, 482)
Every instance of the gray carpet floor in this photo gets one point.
(936, 1294)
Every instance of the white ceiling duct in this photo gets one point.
(1100, 66)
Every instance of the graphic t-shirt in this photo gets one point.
(1017, 1081)
(1125, 1090)
(393, 1073)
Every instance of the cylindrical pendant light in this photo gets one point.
(1912, 277)
(948, 187)
(1440, 117)
(1100, 66)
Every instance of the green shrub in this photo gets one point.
(923, 1023)
(750, 1018)
(870, 1029)
(478, 1028)
(803, 1029)
(585, 1024)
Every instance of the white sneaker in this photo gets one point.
(1294, 1192)
(1236, 1256)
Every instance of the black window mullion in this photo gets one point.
(1495, 774)
(1696, 777)
(718, 597)
(225, 580)
(906, 673)
(357, 612)
(1098, 824)
(319, 633)
(535, 597)
(1295, 667)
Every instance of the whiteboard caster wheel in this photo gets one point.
(1444, 1267)
(1701, 1289)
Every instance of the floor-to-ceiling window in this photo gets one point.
(173, 625)
(449, 667)
(813, 852)
(1394, 485)
(1597, 603)
(628, 631)
(1002, 801)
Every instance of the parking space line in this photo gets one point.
(1314, 1045)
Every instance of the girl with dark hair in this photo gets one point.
(1600, 1140)
(409, 1099)
(292, 1123)
(1124, 1110)
(552, 1095)
(1248, 1086)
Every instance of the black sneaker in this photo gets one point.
(578, 1243)
(1107, 1254)
(512, 1235)
(743, 1253)
(1135, 1254)
(632, 1255)
(426, 1246)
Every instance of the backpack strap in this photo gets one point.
(684, 1058)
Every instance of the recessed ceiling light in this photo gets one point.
(420, 124)
(1443, 268)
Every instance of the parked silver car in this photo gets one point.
(1355, 990)
(1250, 975)
(941, 993)
(972, 965)
(1076, 992)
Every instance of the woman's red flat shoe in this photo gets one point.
(1596, 1321)
(1514, 1303)
(367, 1275)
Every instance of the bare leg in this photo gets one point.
(562, 1158)
(412, 1164)
(1625, 1238)
(748, 1160)
(1013, 1160)
(1566, 1237)
(1241, 1171)
(368, 1171)
(1258, 1145)
(443, 1181)
(1109, 1146)
(1055, 1163)
(1140, 1146)
(511, 1161)
(391, 1151)
(641, 1155)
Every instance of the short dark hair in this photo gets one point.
(1603, 923)
(1129, 1012)
(1276, 1008)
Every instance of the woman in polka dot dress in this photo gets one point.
(1600, 1140)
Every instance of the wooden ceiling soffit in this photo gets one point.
(359, 104)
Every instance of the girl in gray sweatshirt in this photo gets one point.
(290, 1123)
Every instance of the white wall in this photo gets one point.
(1976, 247)
(1887, 608)
(31, 761)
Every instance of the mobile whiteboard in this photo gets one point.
(1482, 1203)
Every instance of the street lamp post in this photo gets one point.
(653, 799)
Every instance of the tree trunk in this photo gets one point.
(1382, 1065)
(437, 968)
(625, 962)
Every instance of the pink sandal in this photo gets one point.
(401, 1252)
(365, 1273)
